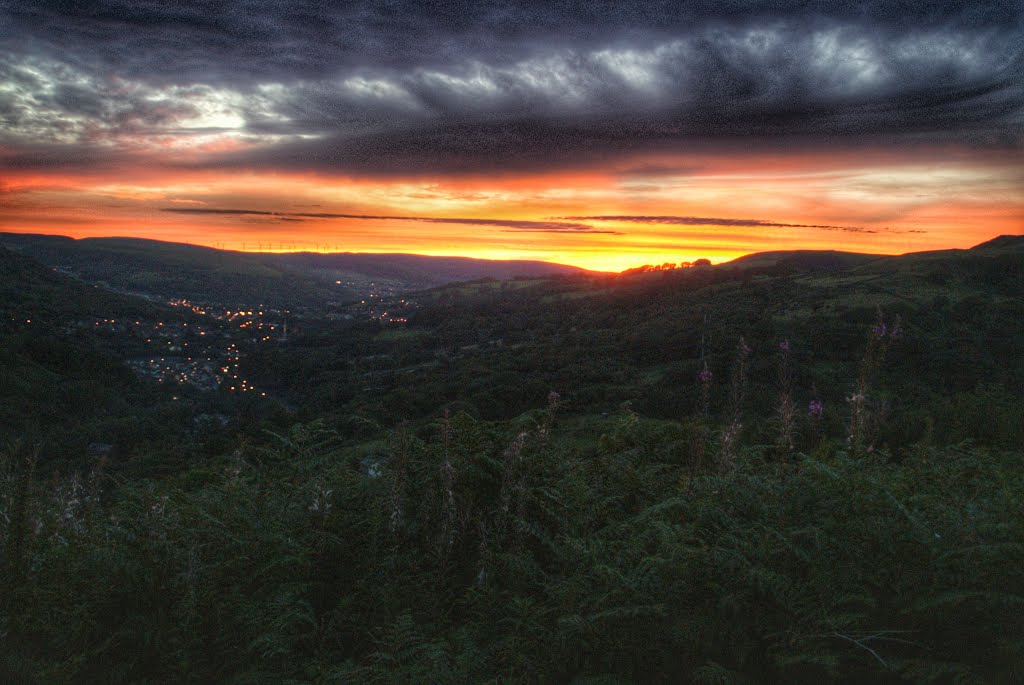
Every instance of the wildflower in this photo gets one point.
(815, 409)
(784, 346)
(321, 501)
(159, 506)
(879, 329)
(705, 375)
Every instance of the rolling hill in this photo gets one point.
(164, 270)
(60, 384)
(699, 479)
(604, 340)
(414, 272)
(294, 280)
(803, 260)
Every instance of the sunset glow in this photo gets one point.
(635, 148)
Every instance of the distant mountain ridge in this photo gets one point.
(804, 260)
(167, 269)
(291, 279)
(1003, 242)
(836, 260)
(29, 288)
(163, 269)
(418, 271)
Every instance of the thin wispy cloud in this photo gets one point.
(505, 224)
(717, 221)
(561, 224)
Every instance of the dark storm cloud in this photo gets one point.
(185, 42)
(505, 224)
(408, 87)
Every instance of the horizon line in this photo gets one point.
(294, 250)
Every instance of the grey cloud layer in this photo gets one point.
(190, 41)
(452, 87)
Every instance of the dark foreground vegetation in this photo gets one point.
(784, 476)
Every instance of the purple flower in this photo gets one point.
(705, 375)
(816, 408)
(879, 329)
(784, 346)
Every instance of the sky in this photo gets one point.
(604, 134)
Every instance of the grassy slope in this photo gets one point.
(603, 341)
(67, 389)
(287, 280)
(178, 270)
(29, 288)
(407, 271)
(493, 553)
(804, 260)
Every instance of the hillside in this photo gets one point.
(833, 260)
(414, 272)
(65, 381)
(294, 281)
(165, 270)
(693, 475)
(27, 288)
(59, 382)
(1011, 243)
(993, 267)
(803, 260)
(604, 340)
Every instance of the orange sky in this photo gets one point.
(869, 202)
(641, 133)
